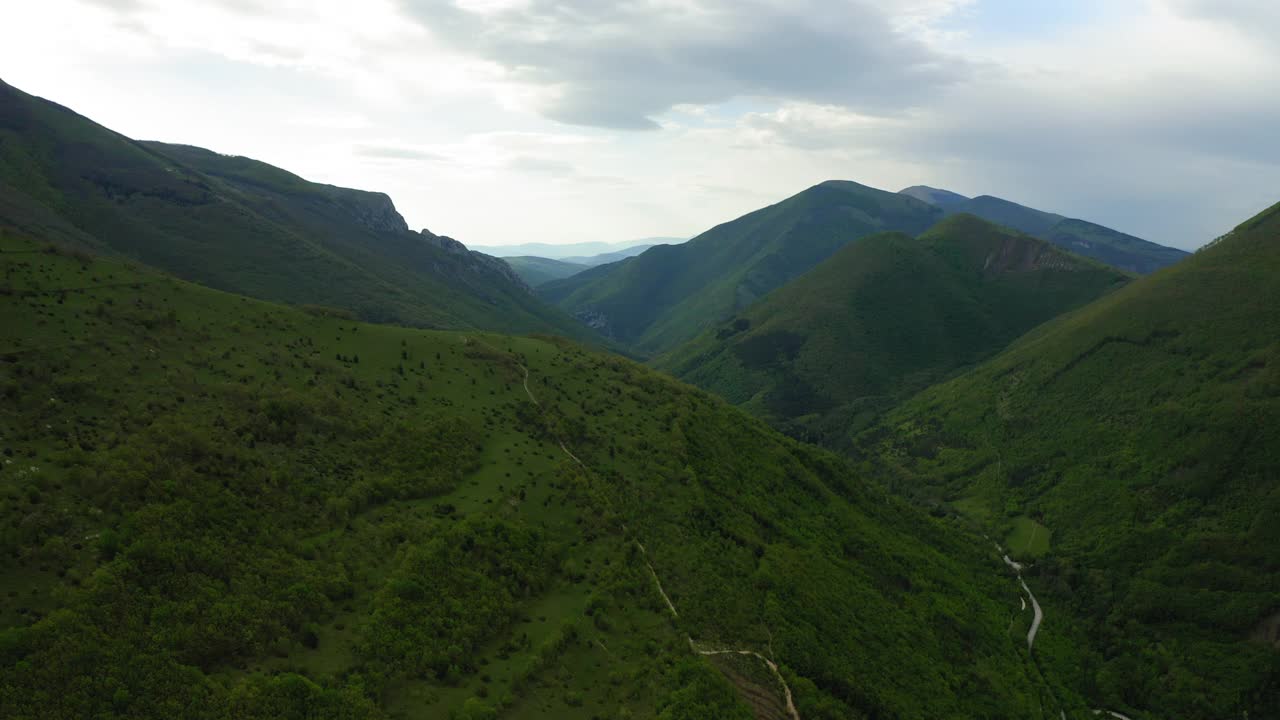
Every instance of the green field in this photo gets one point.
(1028, 538)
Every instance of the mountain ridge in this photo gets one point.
(243, 225)
(883, 318)
(1082, 237)
(668, 294)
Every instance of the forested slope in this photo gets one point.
(215, 507)
(882, 319)
(1134, 446)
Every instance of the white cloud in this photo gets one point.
(508, 120)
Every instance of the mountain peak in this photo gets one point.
(934, 196)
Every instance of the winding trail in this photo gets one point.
(1036, 620)
(657, 582)
(773, 667)
(1035, 605)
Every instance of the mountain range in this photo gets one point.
(670, 293)
(884, 317)
(267, 453)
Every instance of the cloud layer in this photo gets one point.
(591, 120)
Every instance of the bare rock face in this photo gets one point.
(373, 210)
(1024, 255)
(595, 320)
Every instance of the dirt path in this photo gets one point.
(773, 667)
(657, 582)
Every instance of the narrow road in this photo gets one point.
(1036, 620)
(1038, 616)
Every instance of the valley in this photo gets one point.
(265, 452)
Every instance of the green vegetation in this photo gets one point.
(1144, 429)
(247, 227)
(1078, 236)
(882, 318)
(1027, 538)
(539, 271)
(216, 507)
(669, 294)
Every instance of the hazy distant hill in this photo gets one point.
(573, 252)
(669, 294)
(887, 315)
(538, 271)
(1079, 236)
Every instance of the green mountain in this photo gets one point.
(1132, 447)
(537, 271)
(217, 507)
(882, 318)
(670, 293)
(245, 226)
(1078, 236)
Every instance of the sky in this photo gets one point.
(510, 121)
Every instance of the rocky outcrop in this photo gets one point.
(1023, 254)
(373, 210)
(473, 261)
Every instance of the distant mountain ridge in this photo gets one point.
(241, 225)
(884, 317)
(670, 293)
(539, 270)
(574, 252)
(1079, 236)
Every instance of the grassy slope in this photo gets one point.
(1084, 238)
(244, 226)
(882, 318)
(669, 294)
(539, 271)
(1144, 432)
(218, 507)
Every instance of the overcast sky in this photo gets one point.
(508, 121)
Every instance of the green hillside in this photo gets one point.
(217, 507)
(537, 271)
(670, 293)
(245, 226)
(1134, 444)
(1078, 236)
(882, 318)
